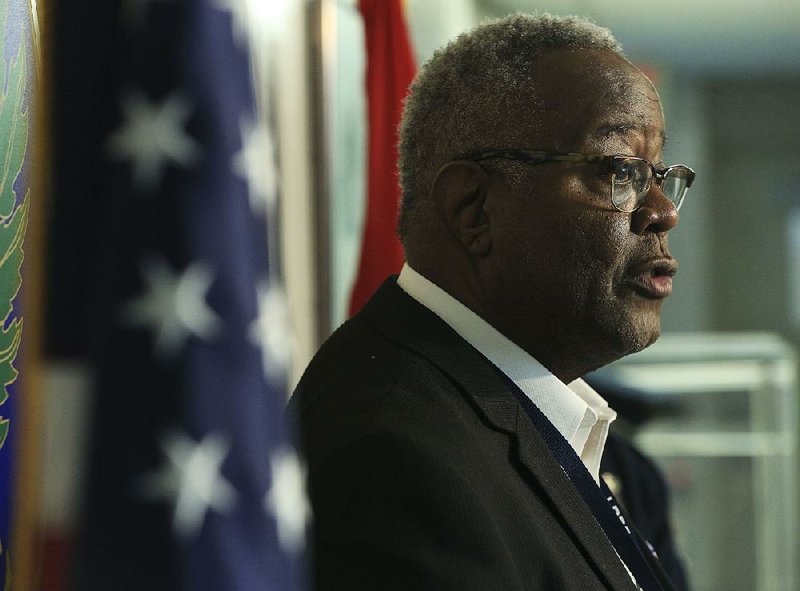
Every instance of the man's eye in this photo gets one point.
(624, 173)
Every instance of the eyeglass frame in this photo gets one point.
(540, 156)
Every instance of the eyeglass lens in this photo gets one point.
(631, 182)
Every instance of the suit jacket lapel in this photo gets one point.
(413, 326)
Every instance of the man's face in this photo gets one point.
(572, 274)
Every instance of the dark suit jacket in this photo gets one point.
(425, 473)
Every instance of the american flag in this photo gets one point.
(193, 483)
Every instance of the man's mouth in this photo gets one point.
(653, 279)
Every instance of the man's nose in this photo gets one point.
(656, 213)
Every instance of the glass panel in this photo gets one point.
(725, 440)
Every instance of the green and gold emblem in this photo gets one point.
(14, 130)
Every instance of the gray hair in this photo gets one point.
(460, 99)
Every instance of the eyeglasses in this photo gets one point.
(631, 177)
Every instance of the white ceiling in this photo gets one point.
(695, 36)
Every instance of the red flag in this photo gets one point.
(390, 70)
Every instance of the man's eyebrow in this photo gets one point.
(606, 131)
(620, 128)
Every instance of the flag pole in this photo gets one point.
(322, 40)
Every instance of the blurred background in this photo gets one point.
(721, 384)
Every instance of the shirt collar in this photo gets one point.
(580, 414)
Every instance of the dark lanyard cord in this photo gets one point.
(601, 501)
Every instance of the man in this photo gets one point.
(450, 443)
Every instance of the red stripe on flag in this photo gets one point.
(390, 70)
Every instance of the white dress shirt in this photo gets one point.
(579, 413)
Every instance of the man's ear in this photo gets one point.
(459, 192)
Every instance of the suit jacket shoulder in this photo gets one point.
(424, 473)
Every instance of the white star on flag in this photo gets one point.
(192, 479)
(240, 13)
(287, 500)
(174, 306)
(270, 331)
(153, 135)
(255, 162)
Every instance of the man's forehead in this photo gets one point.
(629, 106)
(595, 92)
(582, 76)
